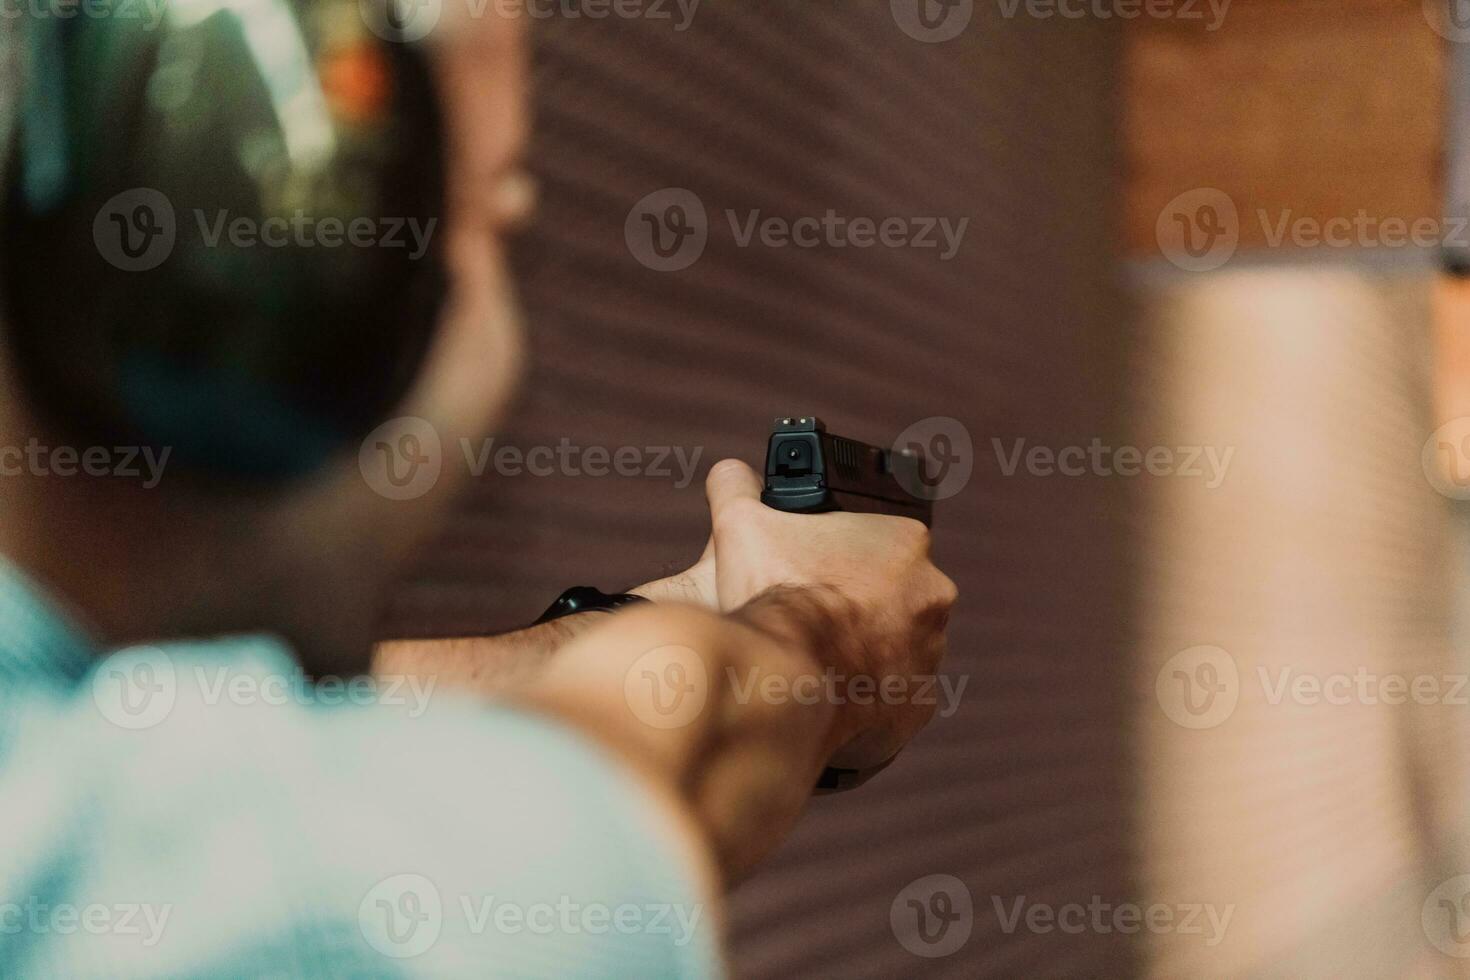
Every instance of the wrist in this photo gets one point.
(803, 617)
(685, 587)
(809, 621)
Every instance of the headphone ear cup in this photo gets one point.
(241, 271)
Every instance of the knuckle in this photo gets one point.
(904, 536)
(725, 469)
(948, 591)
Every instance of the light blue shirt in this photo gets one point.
(200, 811)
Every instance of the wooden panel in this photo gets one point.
(1317, 107)
(795, 109)
(1323, 819)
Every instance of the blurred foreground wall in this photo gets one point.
(1022, 796)
(1303, 704)
(1302, 713)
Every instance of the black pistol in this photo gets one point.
(811, 471)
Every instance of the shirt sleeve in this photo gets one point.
(260, 827)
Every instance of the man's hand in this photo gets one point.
(668, 687)
(858, 590)
(694, 586)
(493, 665)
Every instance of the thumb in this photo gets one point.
(729, 482)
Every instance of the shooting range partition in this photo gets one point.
(793, 110)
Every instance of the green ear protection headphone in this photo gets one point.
(219, 233)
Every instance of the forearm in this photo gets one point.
(490, 665)
(736, 749)
(487, 665)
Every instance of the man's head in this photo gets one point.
(249, 236)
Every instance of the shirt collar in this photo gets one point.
(39, 643)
